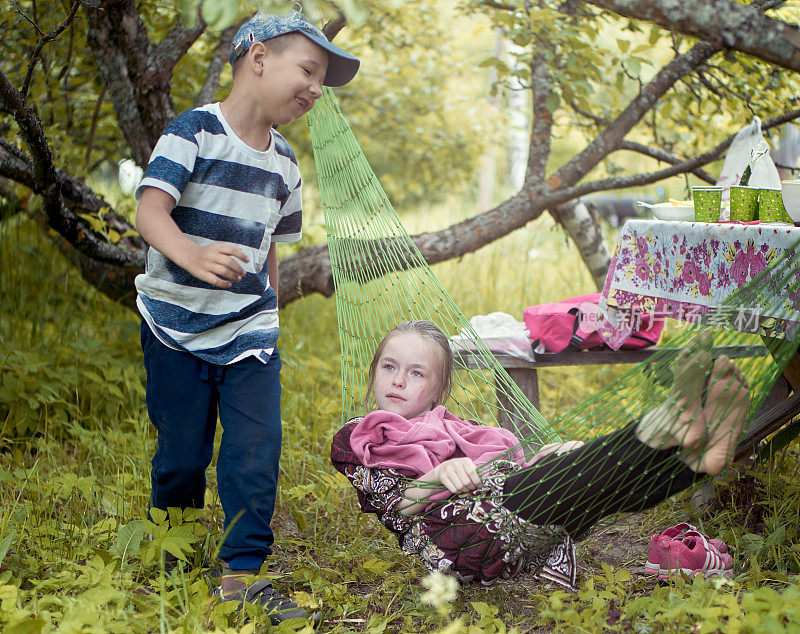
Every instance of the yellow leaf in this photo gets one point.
(376, 566)
(304, 599)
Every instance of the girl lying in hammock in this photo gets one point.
(461, 496)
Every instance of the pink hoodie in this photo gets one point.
(414, 447)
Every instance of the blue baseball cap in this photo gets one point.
(342, 66)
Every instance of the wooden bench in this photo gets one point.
(525, 373)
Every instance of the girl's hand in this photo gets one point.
(558, 448)
(459, 475)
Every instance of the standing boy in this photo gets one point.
(222, 187)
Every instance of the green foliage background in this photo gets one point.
(78, 554)
(410, 95)
(76, 550)
(419, 105)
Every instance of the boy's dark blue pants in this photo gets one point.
(184, 394)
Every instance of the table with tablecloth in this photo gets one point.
(689, 270)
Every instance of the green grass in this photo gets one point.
(74, 480)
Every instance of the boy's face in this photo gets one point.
(291, 80)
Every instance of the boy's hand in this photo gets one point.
(459, 475)
(215, 264)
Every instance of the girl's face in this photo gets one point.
(407, 378)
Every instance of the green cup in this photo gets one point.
(707, 203)
(770, 206)
(744, 203)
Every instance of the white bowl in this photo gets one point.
(668, 211)
(791, 198)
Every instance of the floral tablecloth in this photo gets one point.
(687, 270)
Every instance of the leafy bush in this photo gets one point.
(78, 552)
(67, 352)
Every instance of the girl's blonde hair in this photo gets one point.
(431, 333)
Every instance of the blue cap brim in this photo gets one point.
(342, 66)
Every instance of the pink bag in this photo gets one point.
(573, 323)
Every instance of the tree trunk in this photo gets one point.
(584, 231)
(137, 73)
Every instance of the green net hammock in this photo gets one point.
(523, 516)
(382, 279)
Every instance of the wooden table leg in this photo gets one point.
(778, 409)
(768, 419)
(792, 372)
(509, 416)
(792, 369)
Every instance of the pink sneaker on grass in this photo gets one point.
(692, 554)
(658, 544)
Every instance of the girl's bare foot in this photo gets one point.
(676, 422)
(722, 418)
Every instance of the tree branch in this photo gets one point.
(14, 167)
(542, 128)
(679, 168)
(175, 44)
(215, 66)
(609, 139)
(138, 82)
(498, 5)
(662, 155)
(41, 43)
(49, 183)
(93, 128)
(721, 23)
(596, 119)
(14, 150)
(332, 27)
(13, 103)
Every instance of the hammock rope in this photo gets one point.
(382, 279)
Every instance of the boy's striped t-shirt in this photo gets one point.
(226, 192)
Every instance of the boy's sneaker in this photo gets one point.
(659, 542)
(694, 555)
(278, 607)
